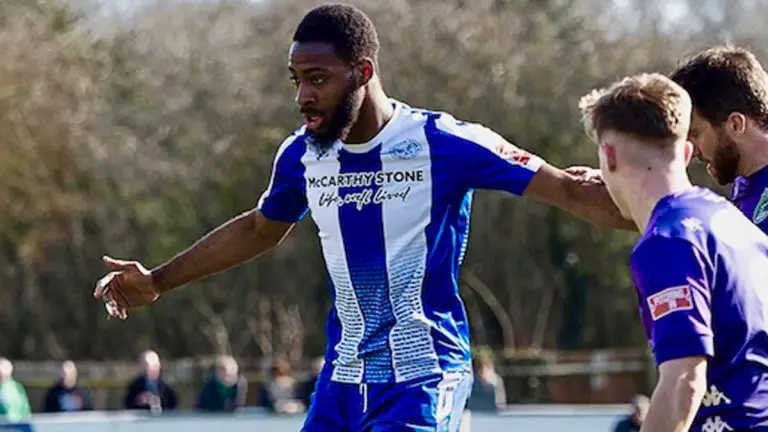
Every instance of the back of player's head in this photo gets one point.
(724, 80)
(345, 27)
(650, 107)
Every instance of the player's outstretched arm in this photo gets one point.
(586, 197)
(242, 238)
(678, 394)
(486, 160)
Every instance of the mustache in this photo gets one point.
(310, 111)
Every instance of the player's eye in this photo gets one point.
(317, 80)
(295, 81)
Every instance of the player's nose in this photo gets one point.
(305, 96)
(697, 152)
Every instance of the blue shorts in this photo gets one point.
(428, 404)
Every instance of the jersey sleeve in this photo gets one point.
(285, 198)
(484, 159)
(672, 278)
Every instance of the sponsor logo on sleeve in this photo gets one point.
(670, 300)
(512, 154)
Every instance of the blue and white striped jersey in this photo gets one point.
(393, 218)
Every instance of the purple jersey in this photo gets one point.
(701, 271)
(750, 194)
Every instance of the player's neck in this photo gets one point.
(655, 185)
(375, 112)
(757, 149)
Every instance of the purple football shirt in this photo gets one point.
(701, 272)
(750, 195)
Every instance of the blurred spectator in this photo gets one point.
(488, 392)
(309, 386)
(280, 393)
(225, 389)
(634, 421)
(14, 404)
(149, 390)
(66, 395)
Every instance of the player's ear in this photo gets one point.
(737, 123)
(365, 70)
(688, 152)
(608, 151)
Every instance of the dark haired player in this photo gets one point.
(729, 126)
(389, 188)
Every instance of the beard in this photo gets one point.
(724, 166)
(342, 120)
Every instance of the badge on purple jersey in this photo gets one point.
(670, 300)
(750, 195)
(761, 209)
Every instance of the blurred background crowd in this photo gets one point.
(225, 390)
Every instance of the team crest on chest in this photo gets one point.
(761, 209)
(405, 150)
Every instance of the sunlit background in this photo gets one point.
(131, 128)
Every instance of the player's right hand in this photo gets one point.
(128, 285)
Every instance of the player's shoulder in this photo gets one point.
(688, 212)
(440, 124)
(295, 138)
(680, 218)
(662, 249)
(409, 117)
(293, 146)
(442, 130)
(444, 126)
(700, 218)
(464, 141)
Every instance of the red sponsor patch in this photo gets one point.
(513, 154)
(670, 300)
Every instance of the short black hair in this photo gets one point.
(347, 28)
(723, 80)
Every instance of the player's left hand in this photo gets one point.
(585, 173)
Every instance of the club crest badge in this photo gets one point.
(408, 149)
(761, 209)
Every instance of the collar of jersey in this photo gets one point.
(384, 134)
(663, 204)
(757, 180)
